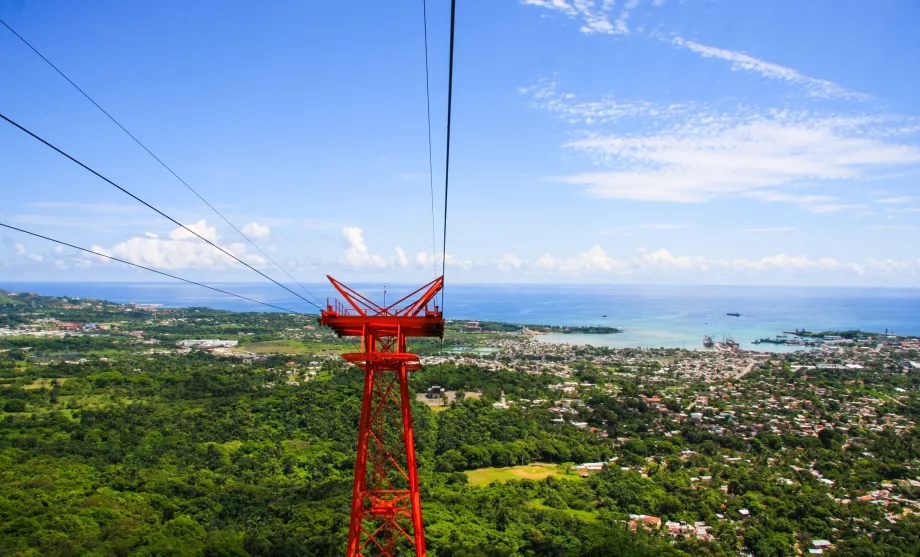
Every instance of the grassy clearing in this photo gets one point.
(290, 347)
(42, 383)
(88, 402)
(586, 516)
(485, 476)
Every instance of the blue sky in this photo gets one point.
(625, 141)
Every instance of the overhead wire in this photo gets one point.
(96, 253)
(434, 240)
(163, 164)
(450, 91)
(161, 213)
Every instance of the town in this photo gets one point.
(712, 449)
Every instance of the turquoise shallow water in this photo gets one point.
(668, 316)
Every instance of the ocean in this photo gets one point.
(651, 316)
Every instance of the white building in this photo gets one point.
(207, 343)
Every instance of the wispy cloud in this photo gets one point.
(599, 19)
(595, 261)
(895, 200)
(745, 62)
(594, 18)
(770, 229)
(834, 207)
(607, 109)
(713, 156)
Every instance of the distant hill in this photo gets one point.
(7, 297)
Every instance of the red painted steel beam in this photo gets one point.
(386, 503)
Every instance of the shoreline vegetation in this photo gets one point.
(529, 328)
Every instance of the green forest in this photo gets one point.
(109, 446)
(192, 456)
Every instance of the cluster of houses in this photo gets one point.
(697, 530)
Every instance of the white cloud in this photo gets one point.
(646, 263)
(791, 263)
(770, 229)
(717, 156)
(620, 25)
(597, 20)
(426, 260)
(570, 108)
(813, 203)
(256, 230)
(833, 208)
(20, 249)
(745, 62)
(509, 262)
(558, 5)
(895, 200)
(401, 258)
(179, 250)
(594, 19)
(794, 198)
(201, 228)
(593, 260)
(358, 256)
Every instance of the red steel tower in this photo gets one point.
(386, 507)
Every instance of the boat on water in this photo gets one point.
(770, 341)
(732, 314)
(731, 343)
(707, 341)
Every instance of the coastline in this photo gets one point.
(648, 316)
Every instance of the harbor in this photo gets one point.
(797, 340)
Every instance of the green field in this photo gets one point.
(290, 347)
(485, 476)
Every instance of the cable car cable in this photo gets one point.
(163, 164)
(434, 241)
(450, 90)
(148, 269)
(4, 117)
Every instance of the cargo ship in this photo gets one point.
(733, 314)
(727, 345)
(707, 341)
